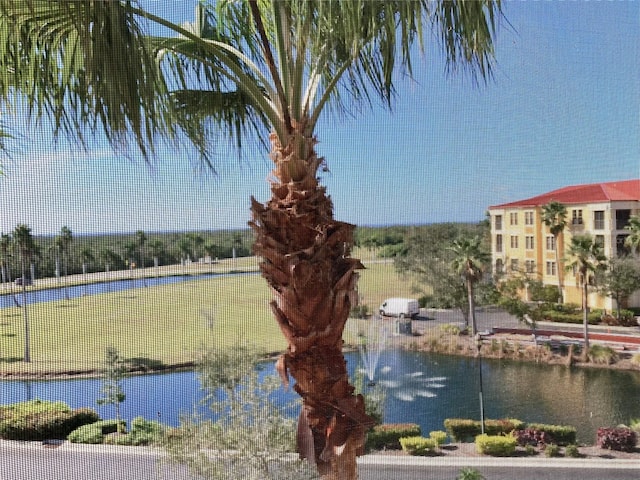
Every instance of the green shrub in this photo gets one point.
(572, 451)
(622, 439)
(143, 432)
(469, 473)
(419, 445)
(462, 429)
(387, 436)
(561, 434)
(359, 311)
(438, 436)
(451, 329)
(496, 445)
(94, 432)
(602, 355)
(41, 420)
(552, 450)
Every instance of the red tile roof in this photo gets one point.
(590, 193)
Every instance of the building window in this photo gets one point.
(576, 217)
(551, 243)
(622, 218)
(528, 218)
(514, 241)
(598, 220)
(499, 243)
(551, 268)
(513, 218)
(528, 242)
(530, 266)
(498, 222)
(499, 266)
(514, 264)
(599, 240)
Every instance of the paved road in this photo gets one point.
(32, 461)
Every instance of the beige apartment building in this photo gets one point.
(521, 242)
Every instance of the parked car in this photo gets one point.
(400, 307)
(27, 281)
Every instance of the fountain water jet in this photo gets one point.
(372, 342)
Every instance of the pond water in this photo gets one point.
(421, 388)
(76, 291)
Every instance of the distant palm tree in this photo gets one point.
(141, 239)
(6, 243)
(554, 216)
(86, 254)
(63, 243)
(27, 249)
(633, 240)
(469, 260)
(585, 258)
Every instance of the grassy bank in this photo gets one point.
(159, 326)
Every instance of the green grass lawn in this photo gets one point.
(164, 325)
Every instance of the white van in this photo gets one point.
(400, 307)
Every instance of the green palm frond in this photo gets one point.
(85, 65)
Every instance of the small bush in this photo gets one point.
(419, 446)
(438, 436)
(552, 450)
(621, 439)
(359, 311)
(41, 420)
(94, 432)
(560, 434)
(387, 436)
(602, 355)
(496, 445)
(469, 474)
(143, 432)
(532, 437)
(572, 451)
(451, 329)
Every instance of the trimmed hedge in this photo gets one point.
(93, 433)
(419, 445)
(40, 420)
(561, 435)
(463, 429)
(387, 436)
(496, 445)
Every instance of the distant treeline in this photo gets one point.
(120, 251)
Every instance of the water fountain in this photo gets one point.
(371, 342)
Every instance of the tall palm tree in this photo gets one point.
(252, 69)
(554, 216)
(63, 243)
(633, 240)
(6, 243)
(585, 258)
(27, 249)
(469, 261)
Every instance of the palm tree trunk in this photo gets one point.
(472, 309)
(585, 318)
(27, 347)
(559, 270)
(305, 260)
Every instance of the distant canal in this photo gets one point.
(421, 388)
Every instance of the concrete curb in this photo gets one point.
(6, 446)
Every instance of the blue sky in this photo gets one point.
(562, 109)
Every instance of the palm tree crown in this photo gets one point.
(633, 240)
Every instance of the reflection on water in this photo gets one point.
(421, 388)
